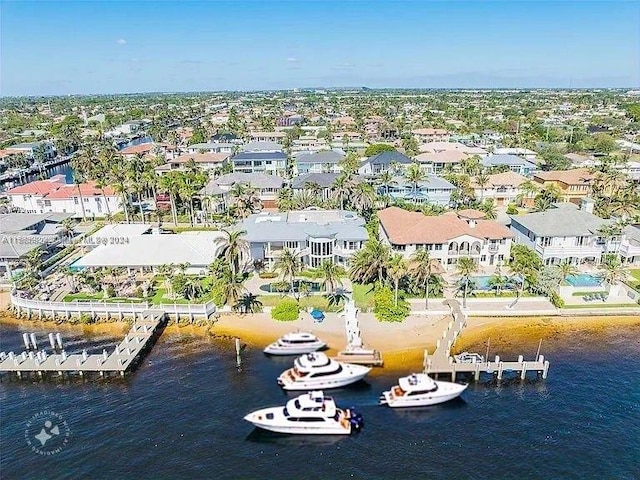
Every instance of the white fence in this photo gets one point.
(97, 308)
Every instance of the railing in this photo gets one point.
(581, 251)
(196, 309)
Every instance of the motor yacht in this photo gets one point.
(420, 390)
(308, 414)
(295, 343)
(317, 371)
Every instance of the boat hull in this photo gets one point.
(357, 373)
(275, 349)
(446, 392)
(280, 424)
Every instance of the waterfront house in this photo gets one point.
(131, 151)
(515, 164)
(387, 161)
(28, 149)
(215, 194)
(436, 162)
(56, 196)
(446, 237)
(211, 147)
(260, 157)
(327, 161)
(563, 232)
(502, 188)
(573, 185)
(206, 161)
(433, 190)
(315, 235)
(629, 248)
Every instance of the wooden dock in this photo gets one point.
(441, 361)
(122, 359)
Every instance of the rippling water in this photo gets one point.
(180, 416)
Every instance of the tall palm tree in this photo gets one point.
(363, 196)
(166, 270)
(330, 274)
(233, 248)
(396, 269)
(192, 287)
(422, 271)
(341, 189)
(248, 303)
(386, 180)
(370, 263)
(170, 183)
(231, 286)
(566, 268)
(612, 269)
(482, 180)
(489, 209)
(135, 172)
(528, 190)
(414, 175)
(33, 260)
(289, 265)
(465, 268)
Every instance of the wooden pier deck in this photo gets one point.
(441, 361)
(123, 358)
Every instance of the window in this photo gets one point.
(399, 248)
(47, 203)
(546, 241)
(290, 244)
(75, 200)
(438, 246)
(86, 200)
(483, 258)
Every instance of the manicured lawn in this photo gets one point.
(98, 297)
(635, 273)
(363, 295)
(313, 301)
(582, 294)
(602, 305)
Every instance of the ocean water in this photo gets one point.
(180, 416)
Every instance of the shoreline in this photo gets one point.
(402, 344)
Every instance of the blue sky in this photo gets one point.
(115, 47)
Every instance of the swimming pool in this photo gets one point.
(583, 280)
(482, 282)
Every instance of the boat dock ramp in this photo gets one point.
(440, 362)
(38, 361)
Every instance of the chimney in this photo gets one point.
(472, 223)
(587, 204)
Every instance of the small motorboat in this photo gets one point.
(317, 371)
(296, 343)
(308, 414)
(420, 390)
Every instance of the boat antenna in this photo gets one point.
(538, 353)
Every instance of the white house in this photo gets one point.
(54, 195)
(28, 149)
(502, 188)
(565, 232)
(446, 237)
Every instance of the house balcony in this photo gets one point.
(463, 252)
(493, 248)
(277, 252)
(565, 252)
(628, 250)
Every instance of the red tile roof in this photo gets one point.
(55, 189)
(39, 187)
(88, 189)
(405, 228)
(135, 149)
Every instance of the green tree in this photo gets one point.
(465, 268)
(396, 269)
(248, 303)
(233, 248)
(421, 270)
(414, 175)
(377, 148)
(612, 269)
(289, 265)
(369, 264)
(331, 274)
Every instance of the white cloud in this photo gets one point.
(121, 41)
(292, 59)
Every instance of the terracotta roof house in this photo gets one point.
(446, 237)
(503, 188)
(574, 185)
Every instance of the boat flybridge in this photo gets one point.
(316, 371)
(295, 343)
(420, 390)
(308, 414)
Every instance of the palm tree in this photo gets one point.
(66, 228)
(363, 196)
(370, 263)
(386, 180)
(482, 180)
(341, 188)
(231, 287)
(529, 189)
(248, 303)
(566, 268)
(466, 267)
(613, 270)
(289, 265)
(33, 260)
(192, 287)
(497, 281)
(422, 271)
(489, 209)
(233, 248)
(396, 269)
(337, 296)
(170, 183)
(414, 175)
(331, 275)
(166, 270)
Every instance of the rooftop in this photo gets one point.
(564, 220)
(577, 176)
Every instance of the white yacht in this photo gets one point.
(308, 414)
(316, 371)
(295, 343)
(420, 390)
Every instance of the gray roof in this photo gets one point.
(211, 146)
(565, 220)
(323, 179)
(18, 222)
(506, 159)
(260, 146)
(388, 157)
(324, 156)
(258, 180)
(263, 155)
(632, 232)
(299, 225)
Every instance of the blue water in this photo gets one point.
(583, 280)
(180, 416)
(482, 282)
